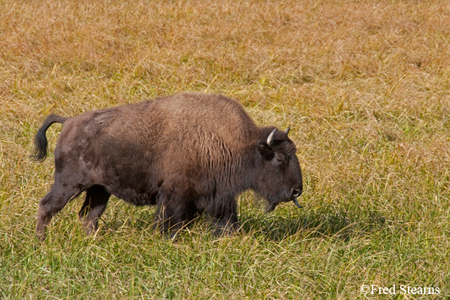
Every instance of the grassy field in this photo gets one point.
(364, 85)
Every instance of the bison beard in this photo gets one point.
(188, 153)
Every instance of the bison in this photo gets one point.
(188, 154)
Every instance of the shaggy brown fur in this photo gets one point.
(188, 153)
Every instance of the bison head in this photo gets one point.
(278, 178)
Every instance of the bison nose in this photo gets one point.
(296, 193)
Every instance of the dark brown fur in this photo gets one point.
(188, 153)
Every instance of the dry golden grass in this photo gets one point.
(363, 84)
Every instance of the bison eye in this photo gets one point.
(279, 159)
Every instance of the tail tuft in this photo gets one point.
(40, 140)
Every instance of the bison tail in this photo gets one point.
(40, 140)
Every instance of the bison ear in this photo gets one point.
(265, 150)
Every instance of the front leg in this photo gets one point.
(172, 214)
(224, 216)
(166, 219)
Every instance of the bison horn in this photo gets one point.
(287, 130)
(296, 203)
(270, 138)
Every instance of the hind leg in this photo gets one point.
(52, 203)
(93, 207)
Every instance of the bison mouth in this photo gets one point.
(271, 206)
(296, 203)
